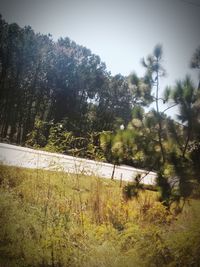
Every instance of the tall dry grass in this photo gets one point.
(59, 219)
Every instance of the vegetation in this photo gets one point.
(59, 219)
(55, 83)
(59, 96)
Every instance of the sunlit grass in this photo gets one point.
(60, 219)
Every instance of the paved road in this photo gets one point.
(30, 158)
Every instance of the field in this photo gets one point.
(59, 219)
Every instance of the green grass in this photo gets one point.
(58, 219)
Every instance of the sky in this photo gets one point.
(121, 32)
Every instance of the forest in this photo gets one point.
(58, 96)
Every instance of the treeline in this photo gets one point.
(55, 82)
(60, 97)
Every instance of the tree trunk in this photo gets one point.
(159, 119)
(113, 172)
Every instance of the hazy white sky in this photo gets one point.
(121, 32)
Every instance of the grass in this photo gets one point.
(58, 219)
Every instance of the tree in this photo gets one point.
(195, 62)
(141, 89)
(113, 146)
(113, 105)
(46, 80)
(186, 97)
(154, 71)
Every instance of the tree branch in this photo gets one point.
(170, 107)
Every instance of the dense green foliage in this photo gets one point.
(55, 82)
(57, 219)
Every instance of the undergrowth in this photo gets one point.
(59, 219)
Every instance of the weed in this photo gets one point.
(59, 219)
